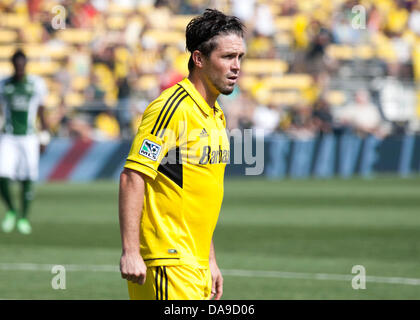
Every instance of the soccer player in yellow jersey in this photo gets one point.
(171, 188)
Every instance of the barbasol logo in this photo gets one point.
(150, 150)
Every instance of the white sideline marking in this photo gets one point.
(225, 272)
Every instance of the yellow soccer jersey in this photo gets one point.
(182, 148)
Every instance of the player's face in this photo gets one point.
(19, 66)
(224, 63)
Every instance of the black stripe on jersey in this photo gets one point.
(167, 111)
(166, 283)
(173, 167)
(172, 113)
(159, 259)
(161, 111)
(161, 283)
(156, 283)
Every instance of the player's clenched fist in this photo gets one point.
(132, 268)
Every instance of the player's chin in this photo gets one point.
(227, 90)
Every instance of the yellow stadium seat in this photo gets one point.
(108, 125)
(6, 52)
(416, 63)
(51, 84)
(364, 52)
(145, 7)
(247, 82)
(283, 39)
(73, 36)
(34, 51)
(43, 68)
(165, 37)
(115, 8)
(180, 63)
(74, 99)
(288, 81)
(340, 52)
(33, 32)
(284, 23)
(33, 67)
(148, 82)
(6, 69)
(386, 52)
(79, 83)
(116, 22)
(105, 76)
(179, 22)
(7, 36)
(335, 97)
(274, 8)
(264, 66)
(39, 51)
(13, 20)
(53, 100)
(284, 98)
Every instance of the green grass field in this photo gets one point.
(275, 240)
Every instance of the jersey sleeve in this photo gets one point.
(41, 90)
(157, 135)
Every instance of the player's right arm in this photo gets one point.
(131, 196)
(155, 137)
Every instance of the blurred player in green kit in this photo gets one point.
(21, 102)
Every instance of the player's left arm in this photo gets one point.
(44, 135)
(216, 275)
(43, 118)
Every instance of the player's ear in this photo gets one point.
(197, 58)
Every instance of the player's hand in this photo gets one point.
(133, 268)
(44, 139)
(217, 281)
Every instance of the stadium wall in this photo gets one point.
(325, 156)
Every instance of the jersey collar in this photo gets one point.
(198, 98)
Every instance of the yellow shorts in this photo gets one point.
(181, 282)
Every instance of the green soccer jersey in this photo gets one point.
(20, 101)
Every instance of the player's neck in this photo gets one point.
(18, 77)
(209, 96)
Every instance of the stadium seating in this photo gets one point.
(147, 40)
